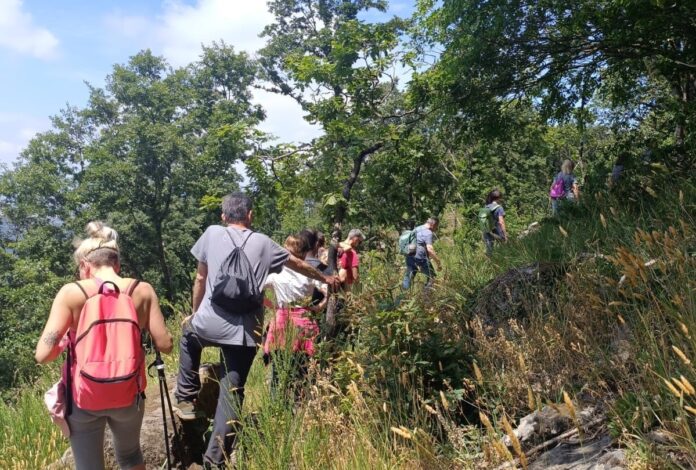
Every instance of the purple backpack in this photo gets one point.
(557, 189)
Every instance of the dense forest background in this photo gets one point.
(419, 115)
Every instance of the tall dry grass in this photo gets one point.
(419, 380)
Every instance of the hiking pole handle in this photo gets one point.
(158, 363)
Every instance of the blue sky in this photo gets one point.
(49, 48)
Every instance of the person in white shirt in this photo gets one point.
(294, 328)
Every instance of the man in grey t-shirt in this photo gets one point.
(420, 260)
(237, 335)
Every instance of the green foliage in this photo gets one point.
(420, 117)
(146, 155)
(556, 54)
(340, 69)
(23, 422)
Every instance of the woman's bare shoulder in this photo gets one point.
(144, 290)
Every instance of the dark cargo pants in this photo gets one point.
(236, 362)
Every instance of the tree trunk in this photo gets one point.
(358, 161)
(168, 287)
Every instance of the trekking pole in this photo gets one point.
(158, 364)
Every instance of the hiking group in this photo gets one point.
(491, 217)
(99, 318)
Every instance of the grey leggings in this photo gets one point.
(87, 436)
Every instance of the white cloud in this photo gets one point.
(16, 130)
(9, 151)
(19, 33)
(180, 30)
(183, 28)
(284, 118)
(129, 26)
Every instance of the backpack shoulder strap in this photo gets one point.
(251, 232)
(131, 287)
(82, 289)
(231, 238)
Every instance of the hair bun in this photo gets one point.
(96, 229)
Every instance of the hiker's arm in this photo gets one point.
(199, 286)
(356, 274)
(301, 266)
(59, 320)
(433, 255)
(155, 320)
(576, 191)
(320, 306)
(501, 219)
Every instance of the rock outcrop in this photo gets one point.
(553, 440)
(516, 293)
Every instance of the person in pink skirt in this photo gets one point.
(292, 332)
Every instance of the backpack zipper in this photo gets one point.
(111, 380)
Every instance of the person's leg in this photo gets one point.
(410, 272)
(554, 207)
(87, 439)
(300, 368)
(426, 267)
(488, 241)
(188, 382)
(237, 361)
(125, 425)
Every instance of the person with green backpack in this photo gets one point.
(417, 246)
(492, 220)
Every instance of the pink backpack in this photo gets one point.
(106, 356)
(557, 189)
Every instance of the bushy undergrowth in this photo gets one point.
(28, 438)
(428, 379)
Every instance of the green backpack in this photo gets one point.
(407, 242)
(486, 219)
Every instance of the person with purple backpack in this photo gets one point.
(564, 187)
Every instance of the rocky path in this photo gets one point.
(187, 454)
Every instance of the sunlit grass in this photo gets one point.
(618, 324)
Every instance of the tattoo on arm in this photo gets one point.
(51, 339)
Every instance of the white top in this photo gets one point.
(291, 288)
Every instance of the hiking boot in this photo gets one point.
(230, 463)
(187, 411)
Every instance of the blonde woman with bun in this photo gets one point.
(98, 260)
